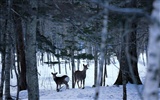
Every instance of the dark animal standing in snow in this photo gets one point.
(60, 80)
(80, 76)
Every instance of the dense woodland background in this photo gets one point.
(73, 30)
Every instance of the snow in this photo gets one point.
(48, 91)
(106, 93)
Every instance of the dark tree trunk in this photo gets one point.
(73, 67)
(20, 53)
(59, 63)
(8, 50)
(122, 60)
(95, 65)
(124, 68)
(7, 70)
(119, 78)
(130, 51)
(133, 55)
(65, 66)
(78, 61)
(72, 50)
(105, 72)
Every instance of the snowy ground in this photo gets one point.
(106, 93)
(48, 88)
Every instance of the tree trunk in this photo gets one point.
(2, 34)
(129, 61)
(132, 55)
(95, 65)
(2, 75)
(122, 59)
(102, 51)
(20, 52)
(124, 68)
(151, 86)
(105, 72)
(65, 64)
(31, 65)
(124, 85)
(7, 68)
(8, 52)
(78, 61)
(59, 63)
(73, 67)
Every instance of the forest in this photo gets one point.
(75, 30)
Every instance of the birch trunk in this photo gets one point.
(31, 65)
(151, 86)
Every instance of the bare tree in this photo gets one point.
(151, 86)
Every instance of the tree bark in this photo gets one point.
(105, 72)
(73, 68)
(124, 68)
(129, 56)
(122, 58)
(2, 74)
(20, 52)
(8, 51)
(3, 48)
(95, 64)
(151, 86)
(132, 57)
(31, 65)
(7, 68)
